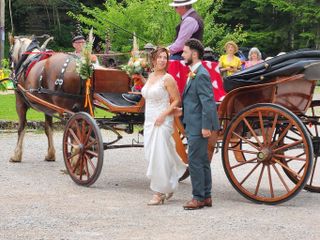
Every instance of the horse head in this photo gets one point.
(18, 45)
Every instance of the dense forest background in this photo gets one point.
(271, 25)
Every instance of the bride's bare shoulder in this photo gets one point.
(169, 78)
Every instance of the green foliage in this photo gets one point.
(2, 86)
(153, 20)
(217, 34)
(8, 110)
(271, 25)
(84, 65)
(5, 73)
(275, 25)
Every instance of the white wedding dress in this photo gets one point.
(165, 166)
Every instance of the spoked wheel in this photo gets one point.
(83, 149)
(273, 141)
(313, 126)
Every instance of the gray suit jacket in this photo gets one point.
(198, 105)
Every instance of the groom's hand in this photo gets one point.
(206, 133)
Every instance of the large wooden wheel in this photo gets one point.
(313, 126)
(83, 149)
(181, 145)
(180, 139)
(273, 141)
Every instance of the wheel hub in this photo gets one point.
(81, 148)
(264, 155)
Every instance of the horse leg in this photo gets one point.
(51, 155)
(21, 108)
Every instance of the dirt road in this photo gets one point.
(38, 201)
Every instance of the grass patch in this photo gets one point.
(8, 110)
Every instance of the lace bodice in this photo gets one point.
(157, 100)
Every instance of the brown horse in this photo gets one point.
(41, 81)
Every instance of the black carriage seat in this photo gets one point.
(288, 64)
(133, 97)
(116, 99)
(115, 103)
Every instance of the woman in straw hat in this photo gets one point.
(191, 26)
(229, 63)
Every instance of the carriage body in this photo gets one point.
(292, 94)
(263, 133)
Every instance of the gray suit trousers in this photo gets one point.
(199, 167)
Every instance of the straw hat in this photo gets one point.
(233, 44)
(180, 3)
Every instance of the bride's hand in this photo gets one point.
(177, 112)
(160, 120)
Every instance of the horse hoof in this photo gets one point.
(14, 160)
(64, 171)
(49, 159)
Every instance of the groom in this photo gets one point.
(200, 118)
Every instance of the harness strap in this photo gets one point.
(52, 92)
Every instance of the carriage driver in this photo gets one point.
(191, 26)
(78, 43)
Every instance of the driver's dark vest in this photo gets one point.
(199, 33)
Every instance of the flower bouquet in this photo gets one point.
(136, 68)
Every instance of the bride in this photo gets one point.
(162, 96)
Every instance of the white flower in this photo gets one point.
(136, 63)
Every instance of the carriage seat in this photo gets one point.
(109, 87)
(132, 97)
(116, 99)
(116, 103)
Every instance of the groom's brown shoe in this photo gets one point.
(208, 202)
(193, 204)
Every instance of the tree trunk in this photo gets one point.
(292, 32)
(317, 39)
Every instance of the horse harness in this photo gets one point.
(59, 81)
(26, 67)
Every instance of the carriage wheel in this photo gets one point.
(273, 141)
(181, 139)
(313, 185)
(181, 145)
(83, 149)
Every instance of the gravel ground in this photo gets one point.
(38, 201)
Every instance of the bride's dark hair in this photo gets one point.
(155, 54)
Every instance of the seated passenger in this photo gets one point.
(229, 63)
(254, 57)
(78, 43)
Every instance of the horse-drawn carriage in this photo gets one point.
(269, 134)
